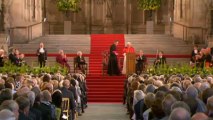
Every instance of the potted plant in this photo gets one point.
(67, 6)
(149, 6)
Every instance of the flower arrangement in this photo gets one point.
(179, 69)
(149, 4)
(69, 5)
(10, 68)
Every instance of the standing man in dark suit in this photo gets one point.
(66, 93)
(42, 55)
(113, 68)
(141, 62)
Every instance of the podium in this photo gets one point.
(130, 63)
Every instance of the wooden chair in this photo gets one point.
(65, 107)
(77, 69)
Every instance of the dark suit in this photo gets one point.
(13, 59)
(46, 111)
(193, 54)
(35, 113)
(140, 65)
(113, 67)
(42, 57)
(68, 94)
(22, 116)
(1, 61)
(160, 62)
(139, 108)
(81, 63)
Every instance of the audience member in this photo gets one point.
(24, 108)
(180, 114)
(12, 106)
(200, 116)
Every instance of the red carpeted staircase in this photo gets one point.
(104, 88)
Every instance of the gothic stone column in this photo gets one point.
(108, 28)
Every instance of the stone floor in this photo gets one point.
(104, 111)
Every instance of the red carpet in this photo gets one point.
(104, 88)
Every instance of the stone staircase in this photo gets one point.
(53, 43)
(150, 44)
(72, 43)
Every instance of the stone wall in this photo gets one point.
(191, 20)
(96, 16)
(22, 18)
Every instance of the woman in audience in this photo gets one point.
(62, 60)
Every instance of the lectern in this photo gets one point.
(130, 63)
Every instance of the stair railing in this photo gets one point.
(186, 30)
(29, 32)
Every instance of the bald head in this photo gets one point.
(49, 87)
(199, 116)
(66, 83)
(180, 114)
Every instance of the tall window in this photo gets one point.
(181, 8)
(211, 22)
(33, 9)
(1, 15)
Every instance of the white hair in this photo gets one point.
(79, 52)
(128, 43)
(138, 95)
(6, 114)
(31, 97)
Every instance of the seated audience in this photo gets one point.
(33, 104)
(12, 106)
